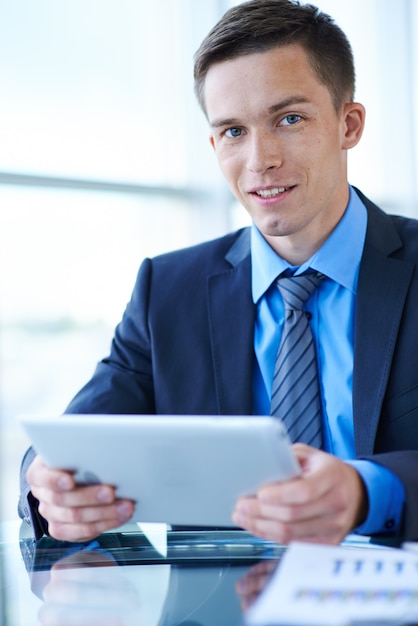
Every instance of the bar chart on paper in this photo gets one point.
(323, 585)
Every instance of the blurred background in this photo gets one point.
(105, 159)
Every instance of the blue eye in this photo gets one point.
(233, 132)
(291, 120)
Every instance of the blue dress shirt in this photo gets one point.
(333, 313)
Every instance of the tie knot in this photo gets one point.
(295, 290)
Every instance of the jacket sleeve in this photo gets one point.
(28, 505)
(404, 464)
(123, 382)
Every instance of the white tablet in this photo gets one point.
(180, 470)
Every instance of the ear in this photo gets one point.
(353, 115)
(212, 141)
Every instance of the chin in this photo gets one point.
(274, 229)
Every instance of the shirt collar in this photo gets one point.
(335, 258)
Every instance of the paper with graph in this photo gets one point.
(321, 585)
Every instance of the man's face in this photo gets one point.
(282, 145)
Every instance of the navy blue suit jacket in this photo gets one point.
(185, 344)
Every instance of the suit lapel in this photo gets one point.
(231, 319)
(382, 289)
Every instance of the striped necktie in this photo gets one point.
(295, 396)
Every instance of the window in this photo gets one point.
(99, 134)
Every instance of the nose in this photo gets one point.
(264, 152)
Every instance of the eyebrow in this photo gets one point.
(291, 100)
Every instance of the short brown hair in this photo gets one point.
(260, 25)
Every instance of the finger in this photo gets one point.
(86, 517)
(84, 531)
(282, 523)
(302, 451)
(285, 532)
(39, 475)
(334, 489)
(322, 473)
(295, 496)
(273, 530)
(324, 505)
(86, 514)
(332, 503)
(85, 495)
(326, 520)
(286, 513)
(269, 505)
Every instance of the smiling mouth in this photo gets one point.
(271, 193)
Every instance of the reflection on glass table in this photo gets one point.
(208, 577)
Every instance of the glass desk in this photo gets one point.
(207, 578)
(120, 579)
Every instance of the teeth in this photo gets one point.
(268, 193)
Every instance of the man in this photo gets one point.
(200, 335)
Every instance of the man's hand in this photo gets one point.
(75, 513)
(323, 506)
